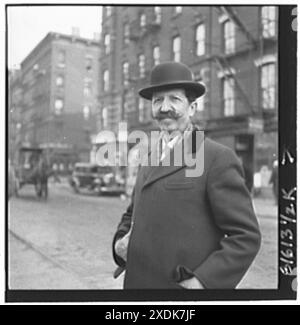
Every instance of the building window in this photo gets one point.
(107, 43)
(86, 112)
(126, 33)
(105, 117)
(178, 10)
(156, 55)
(268, 86)
(125, 73)
(228, 96)
(61, 58)
(268, 18)
(59, 81)
(88, 62)
(106, 80)
(108, 11)
(157, 13)
(229, 37)
(58, 106)
(142, 20)
(176, 48)
(200, 39)
(141, 110)
(142, 69)
(87, 90)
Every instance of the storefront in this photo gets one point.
(256, 147)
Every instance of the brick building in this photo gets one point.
(232, 49)
(14, 113)
(58, 85)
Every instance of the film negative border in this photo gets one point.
(287, 220)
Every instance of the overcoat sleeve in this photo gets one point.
(233, 213)
(122, 230)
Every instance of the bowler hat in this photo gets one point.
(171, 75)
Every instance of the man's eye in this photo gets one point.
(157, 100)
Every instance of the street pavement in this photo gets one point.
(65, 242)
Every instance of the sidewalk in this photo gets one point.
(265, 207)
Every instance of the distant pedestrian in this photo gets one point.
(55, 173)
(274, 180)
(43, 174)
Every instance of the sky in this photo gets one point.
(28, 25)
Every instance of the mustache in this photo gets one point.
(169, 114)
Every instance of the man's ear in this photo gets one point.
(192, 108)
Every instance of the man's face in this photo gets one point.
(172, 110)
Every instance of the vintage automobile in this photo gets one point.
(98, 179)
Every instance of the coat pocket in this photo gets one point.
(182, 273)
(179, 185)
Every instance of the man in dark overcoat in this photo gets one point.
(186, 232)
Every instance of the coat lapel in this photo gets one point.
(153, 173)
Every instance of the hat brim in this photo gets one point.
(196, 87)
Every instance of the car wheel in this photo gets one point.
(98, 191)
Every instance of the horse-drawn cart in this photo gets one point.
(31, 168)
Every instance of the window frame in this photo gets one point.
(178, 52)
(108, 11)
(268, 20)
(86, 116)
(106, 81)
(58, 110)
(104, 115)
(141, 107)
(229, 41)
(126, 33)
(156, 59)
(157, 14)
(60, 77)
(107, 44)
(270, 87)
(142, 67)
(231, 100)
(143, 22)
(61, 58)
(89, 62)
(200, 40)
(178, 11)
(125, 73)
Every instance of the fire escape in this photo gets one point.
(226, 68)
(152, 25)
(222, 60)
(233, 16)
(262, 116)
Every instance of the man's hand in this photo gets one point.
(192, 283)
(121, 246)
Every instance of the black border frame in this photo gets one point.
(287, 62)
